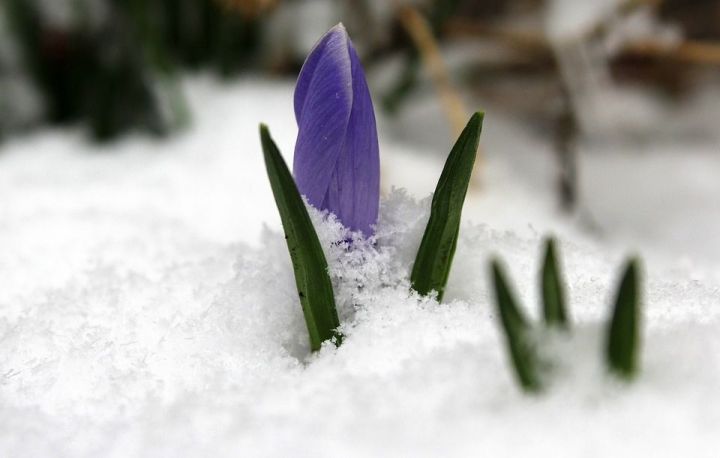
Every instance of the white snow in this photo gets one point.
(145, 310)
(572, 19)
(585, 36)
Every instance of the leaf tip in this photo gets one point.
(264, 130)
(476, 121)
(516, 330)
(550, 243)
(552, 287)
(623, 331)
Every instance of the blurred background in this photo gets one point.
(600, 113)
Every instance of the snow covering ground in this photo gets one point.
(147, 308)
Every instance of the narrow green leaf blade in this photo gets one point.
(623, 338)
(308, 260)
(517, 331)
(435, 255)
(553, 292)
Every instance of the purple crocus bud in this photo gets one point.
(337, 162)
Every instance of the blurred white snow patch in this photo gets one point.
(641, 24)
(572, 19)
(293, 30)
(585, 35)
(663, 197)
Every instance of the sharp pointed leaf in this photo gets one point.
(553, 293)
(623, 335)
(517, 331)
(308, 260)
(434, 258)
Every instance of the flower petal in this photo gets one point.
(323, 101)
(308, 69)
(354, 191)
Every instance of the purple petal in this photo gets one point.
(323, 101)
(308, 69)
(354, 191)
(337, 163)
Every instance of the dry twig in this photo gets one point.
(422, 36)
(688, 51)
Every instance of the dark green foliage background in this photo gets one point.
(106, 74)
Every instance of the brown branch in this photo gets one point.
(691, 52)
(522, 40)
(421, 34)
(688, 51)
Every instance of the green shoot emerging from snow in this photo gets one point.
(553, 294)
(517, 332)
(434, 258)
(622, 337)
(308, 260)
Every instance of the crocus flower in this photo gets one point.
(337, 164)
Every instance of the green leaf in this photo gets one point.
(623, 336)
(517, 333)
(553, 293)
(435, 255)
(311, 275)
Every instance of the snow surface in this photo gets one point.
(571, 19)
(147, 308)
